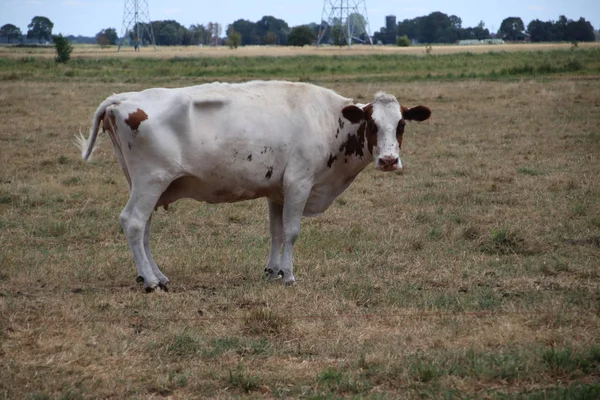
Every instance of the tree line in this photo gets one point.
(436, 27)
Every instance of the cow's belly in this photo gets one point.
(213, 192)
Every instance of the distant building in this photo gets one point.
(391, 29)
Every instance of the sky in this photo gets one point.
(88, 17)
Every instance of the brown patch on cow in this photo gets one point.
(331, 160)
(367, 131)
(368, 110)
(136, 118)
(400, 132)
(352, 113)
(354, 145)
(269, 173)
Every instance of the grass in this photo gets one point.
(363, 67)
(473, 274)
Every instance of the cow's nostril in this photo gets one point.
(388, 161)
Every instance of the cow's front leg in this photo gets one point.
(273, 268)
(295, 200)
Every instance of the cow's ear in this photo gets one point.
(353, 114)
(418, 113)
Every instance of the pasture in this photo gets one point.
(474, 273)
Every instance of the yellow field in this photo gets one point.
(94, 51)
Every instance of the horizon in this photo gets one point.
(88, 17)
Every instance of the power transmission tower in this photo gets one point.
(136, 16)
(347, 18)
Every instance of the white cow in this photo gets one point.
(296, 144)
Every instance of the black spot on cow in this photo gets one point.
(249, 158)
(269, 173)
(265, 149)
(337, 133)
(341, 123)
(331, 160)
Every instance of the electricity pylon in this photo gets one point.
(345, 17)
(137, 16)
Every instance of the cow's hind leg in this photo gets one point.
(134, 219)
(273, 269)
(162, 279)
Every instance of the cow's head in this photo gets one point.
(384, 120)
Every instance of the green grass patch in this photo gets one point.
(375, 67)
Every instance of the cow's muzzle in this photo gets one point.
(388, 163)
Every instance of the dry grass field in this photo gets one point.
(94, 51)
(472, 274)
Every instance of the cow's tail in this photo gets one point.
(87, 145)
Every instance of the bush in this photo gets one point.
(234, 39)
(301, 36)
(63, 48)
(403, 41)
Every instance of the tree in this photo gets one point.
(198, 33)
(511, 28)
(540, 31)
(234, 39)
(338, 35)
(562, 30)
(107, 37)
(276, 26)
(213, 31)
(63, 48)
(11, 32)
(580, 30)
(40, 28)
(359, 24)
(301, 35)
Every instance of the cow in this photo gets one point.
(297, 144)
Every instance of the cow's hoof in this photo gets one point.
(290, 282)
(139, 279)
(163, 286)
(155, 288)
(271, 275)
